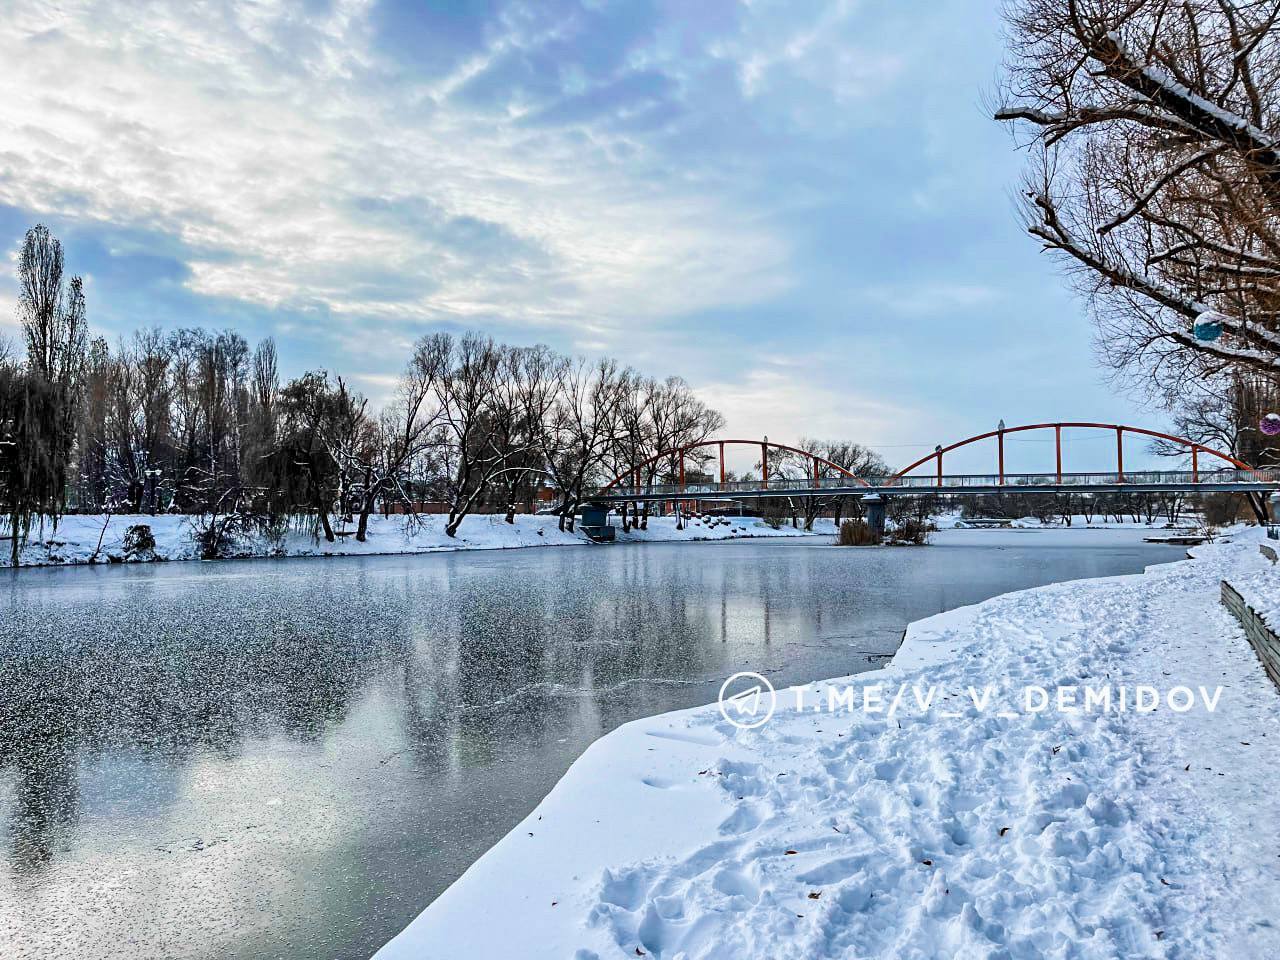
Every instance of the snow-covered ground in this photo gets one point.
(86, 539)
(76, 539)
(946, 831)
(1259, 591)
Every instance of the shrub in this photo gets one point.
(855, 533)
(1222, 509)
(226, 535)
(274, 531)
(139, 541)
(911, 531)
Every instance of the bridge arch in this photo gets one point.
(816, 462)
(1120, 430)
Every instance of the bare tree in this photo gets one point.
(403, 432)
(676, 420)
(258, 439)
(315, 419)
(846, 455)
(480, 396)
(92, 432)
(1156, 172)
(1223, 411)
(138, 419)
(530, 385)
(582, 429)
(634, 435)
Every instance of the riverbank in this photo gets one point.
(88, 539)
(82, 539)
(948, 830)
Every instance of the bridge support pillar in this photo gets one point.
(874, 505)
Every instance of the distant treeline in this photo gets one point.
(200, 423)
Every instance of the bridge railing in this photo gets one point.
(1112, 478)
(932, 483)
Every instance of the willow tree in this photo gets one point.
(32, 476)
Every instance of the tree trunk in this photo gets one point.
(324, 522)
(366, 504)
(1259, 507)
(365, 509)
(567, 519)
(456, 515)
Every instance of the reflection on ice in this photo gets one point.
(293, 757)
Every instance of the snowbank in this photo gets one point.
(947, 831)
(1259, 589)
(948, 521)
(77, 538)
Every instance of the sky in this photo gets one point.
(800, 207)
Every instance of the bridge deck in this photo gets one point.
(1265, 480)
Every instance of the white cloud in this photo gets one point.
(296, 176)
(931, 298)
(378, 387)
(790, 400)
(8, 313)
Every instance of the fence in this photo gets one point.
(1261, 637)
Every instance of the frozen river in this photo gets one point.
(290, 758)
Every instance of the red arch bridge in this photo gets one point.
(690, 472)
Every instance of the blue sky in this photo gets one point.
(800, 207)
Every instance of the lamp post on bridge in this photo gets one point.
(1000, 443)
